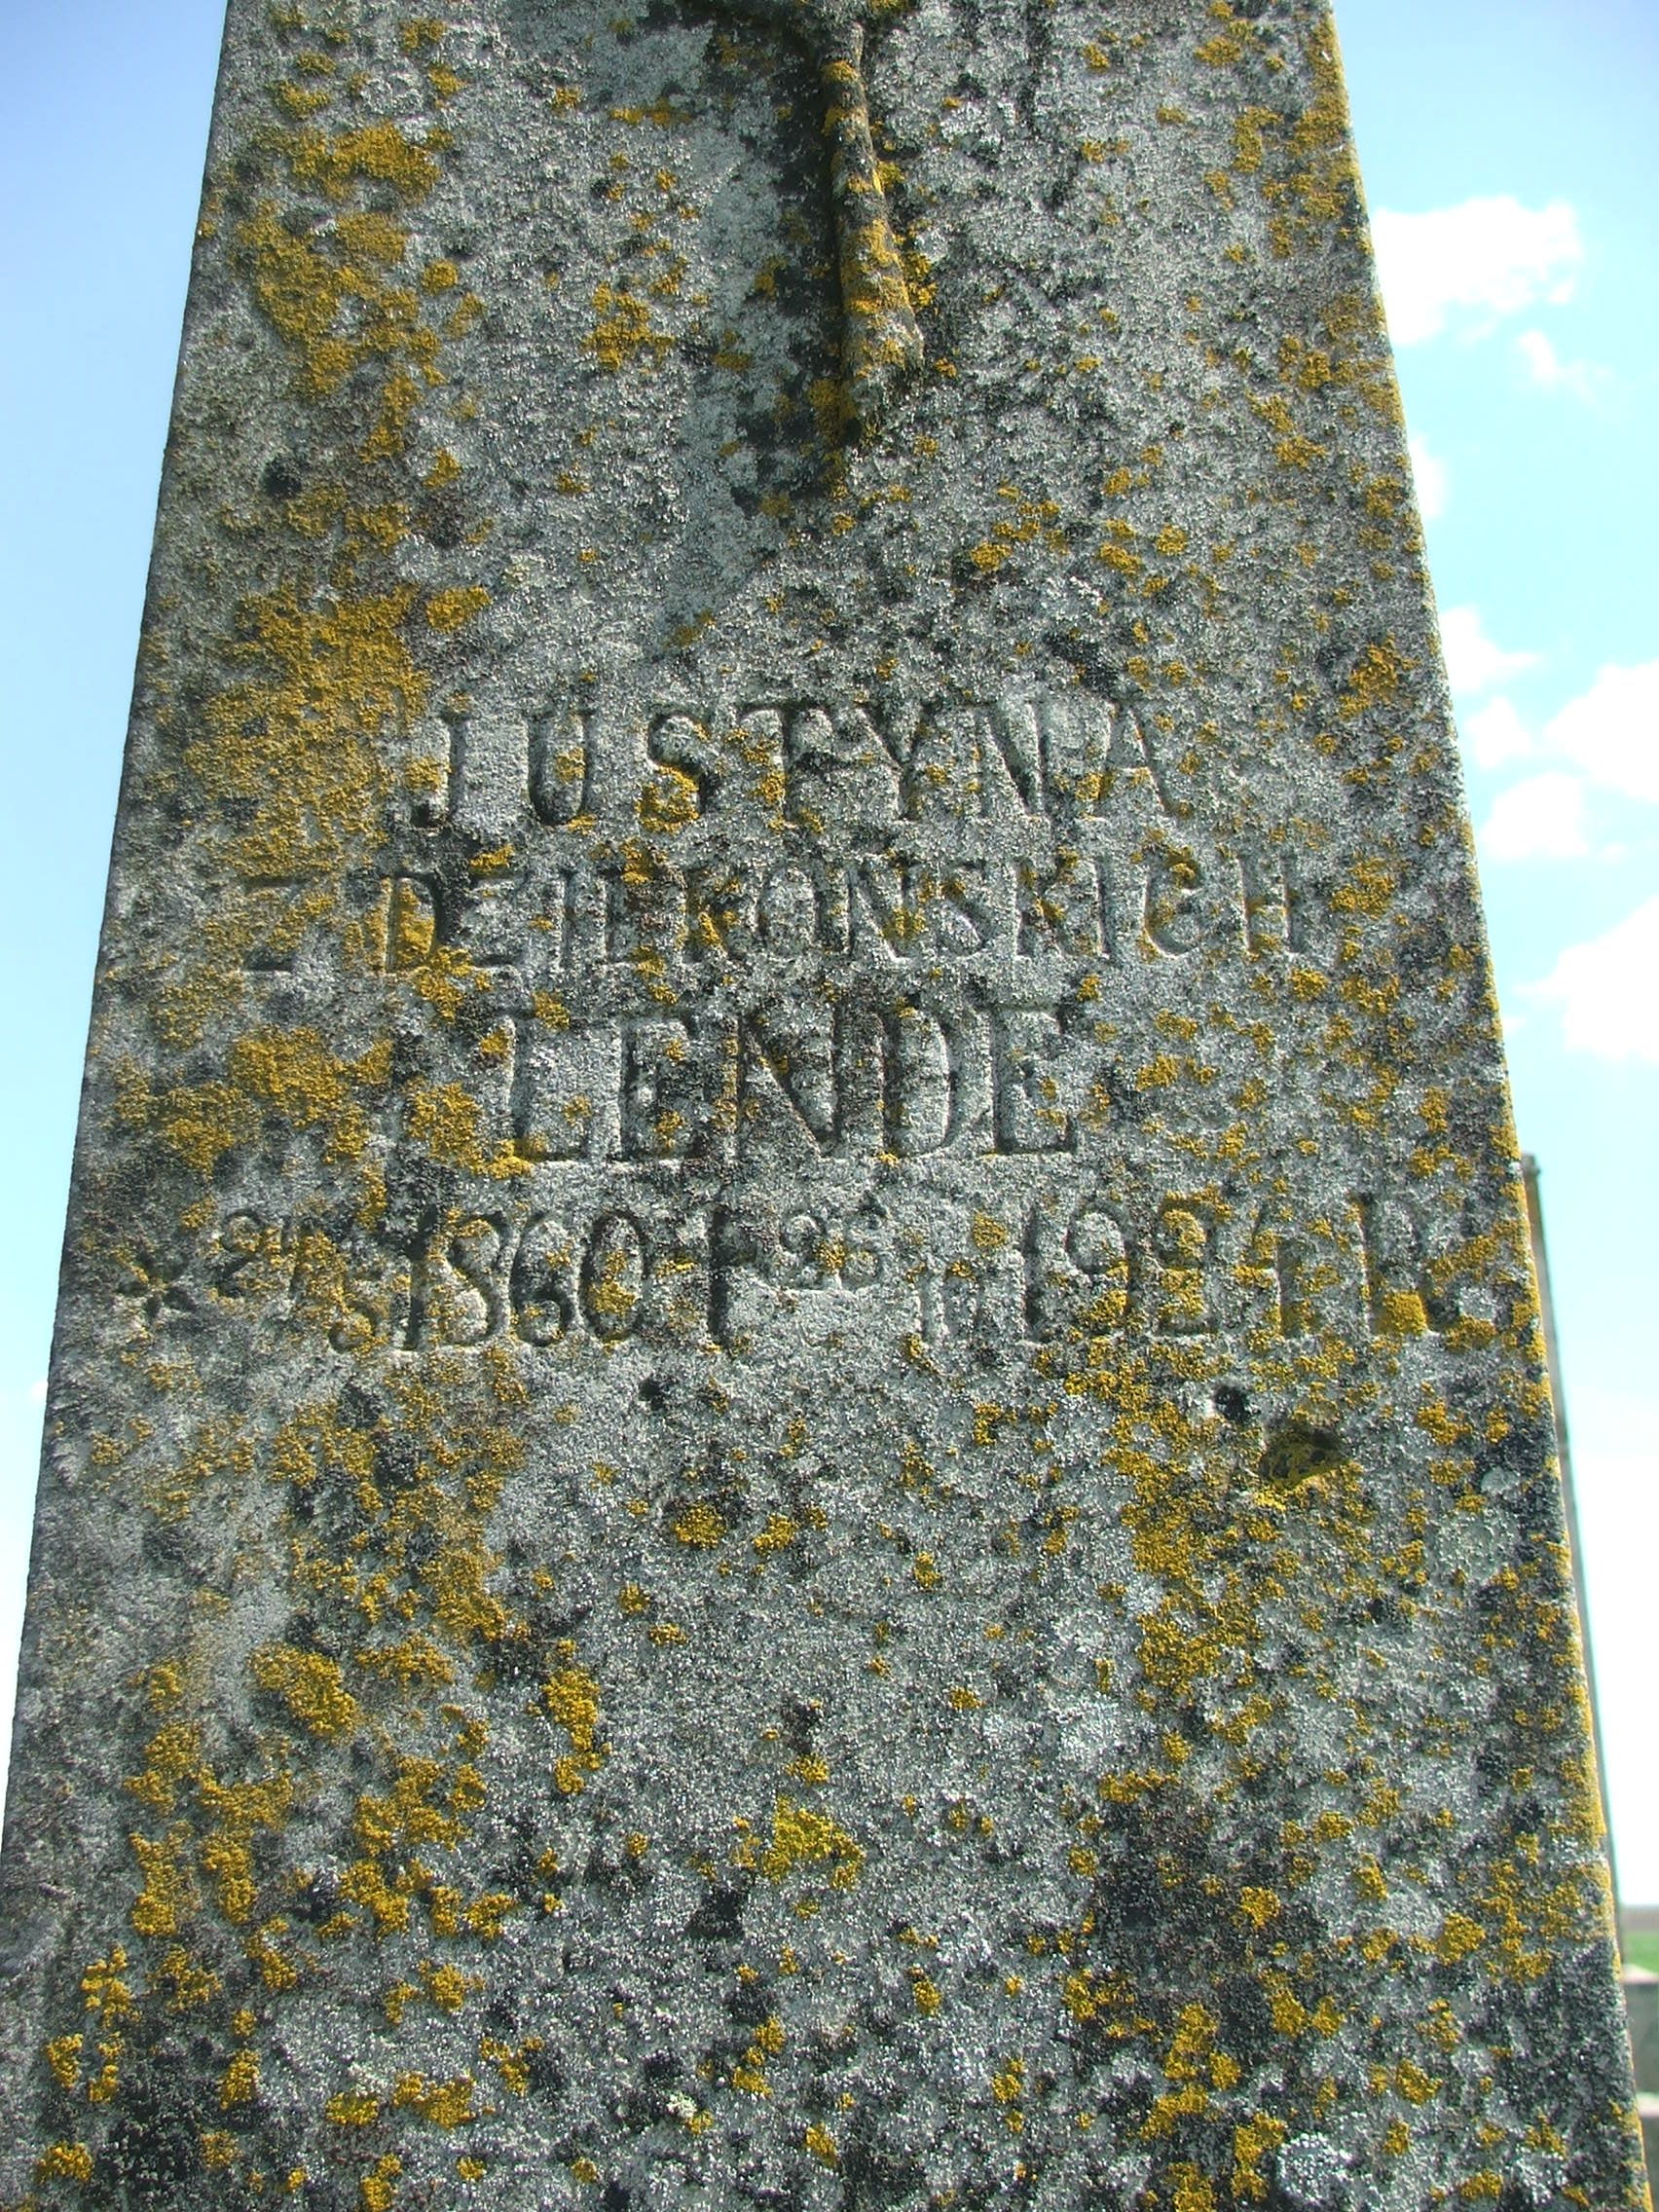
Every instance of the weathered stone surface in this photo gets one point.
(797, 1451)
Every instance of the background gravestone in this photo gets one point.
(797, 1451)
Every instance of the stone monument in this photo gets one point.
(797, 1453)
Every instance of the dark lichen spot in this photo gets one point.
(718, 1919)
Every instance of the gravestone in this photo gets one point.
(797, 1453)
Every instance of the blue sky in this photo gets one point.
(1511, 158)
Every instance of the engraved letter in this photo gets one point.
(1010, 748)
(1028, 1113)
(1401, 1294)
(1183, 1239)
(678, 744)
(540, 1290)
(560, 765)
(655, 1055)
(1171, 916)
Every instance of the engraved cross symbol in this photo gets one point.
(881, 345)
(154, 1282)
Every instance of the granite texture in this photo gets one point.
(797, 1453)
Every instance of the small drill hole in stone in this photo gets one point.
(1295, 1452)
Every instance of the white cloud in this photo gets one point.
(1542, 819)
(1609, 734)
(1550, 373)
(1487, 258)
(1473, 662)
(37, 1392)
(1613, 730)
(1495, 735)
(1432, 487)
(1607, 989)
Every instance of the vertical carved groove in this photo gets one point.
(881, 341)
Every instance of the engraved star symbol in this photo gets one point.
(881, 343)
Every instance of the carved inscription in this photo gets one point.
(674, 954)
(1097, 1261)
(920, 960)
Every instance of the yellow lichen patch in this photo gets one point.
(63, 2057)
(622, 329)
(378, 2188)
(1252, 2140)
(443, 1119)
(276, 1970)
(106, 1991)
(202, 1122)
(441, 974)
(1375, 677)
(444, 2104)
(353, 2108)
(1190, 2189)
(326, 290)
(413, 1660)
(779, 1533)
(173, 1753)
(446, 1986)
(428, 1804)
(571, 1697)
(379, 153)
(1369, 889)
(513, 2066)
(314, 1443)
(1320, 141)
(1414, 2084)
(241, 2083)
(1193, 2065)
(310, 1685)
(374, 1534)
(64, 2162)
(750, 2073)
(290, 741)
(487, 1914)
(448, 610)
(666, 803)
(281, 777)
(294, 1076)
(236, 1812)
(168, 1896)
(701, 1527)
(1107, 2001)
(804, 1838)
(1286, 2010)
